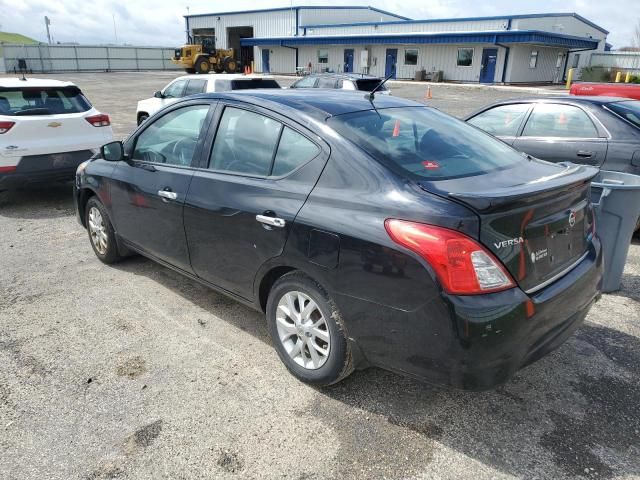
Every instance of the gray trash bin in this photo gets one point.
(616, 201)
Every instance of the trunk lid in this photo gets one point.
(536, 218)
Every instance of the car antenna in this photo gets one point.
(371, 95)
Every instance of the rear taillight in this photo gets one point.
(463, 266)
(10, 169)
(101, 120)
(6, 126)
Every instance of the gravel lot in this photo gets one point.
(135, 372)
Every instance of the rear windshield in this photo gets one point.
(247, 84)
(630, 111)
(369, 84)
(424, 143)
(42, 101)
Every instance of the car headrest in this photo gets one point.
(5, 106)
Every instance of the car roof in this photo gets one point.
(349, 76)
(33, 82)
(222, 76)
(319, 104)
(566, 99)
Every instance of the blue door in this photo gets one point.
(488, 68)
(348, 60)
(390, 62)
(265, 61)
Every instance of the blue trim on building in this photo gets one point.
(502, 36)
(464, 19)
(281, 9)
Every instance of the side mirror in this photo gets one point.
(112, 152)
(158, 94)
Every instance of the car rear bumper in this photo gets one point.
(478, 342)
(35, 169)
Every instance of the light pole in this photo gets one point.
(47, 22)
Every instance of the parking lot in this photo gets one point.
(133, 371)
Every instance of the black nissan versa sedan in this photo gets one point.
(370, 231)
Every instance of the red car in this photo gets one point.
(626, 90)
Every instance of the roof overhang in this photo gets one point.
(535, 37)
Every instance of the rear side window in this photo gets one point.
(195, 86)
(556, 120)
(42, 101)
(630, 111)
(423, 143)
(368, 85)
(293, 150)
(245, 143)
(504, 120)
(247, 84)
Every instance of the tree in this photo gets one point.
(636, 35)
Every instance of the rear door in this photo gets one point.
(562, 133)
(148, 190)
(256, 175)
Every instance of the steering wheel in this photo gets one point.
(179, 148)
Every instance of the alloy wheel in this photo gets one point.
(302, 330)
(98, 231)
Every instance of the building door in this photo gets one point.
(390, 63)
(348, 60)
(265, 61)
(488, 66)
(246, 56)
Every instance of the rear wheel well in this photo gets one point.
(267, 282)
(85, 195)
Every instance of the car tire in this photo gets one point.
(142, 118)
(321, 328)
(101, 234)
(5, 197)
(203, 66)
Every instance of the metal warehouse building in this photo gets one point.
(536, 48)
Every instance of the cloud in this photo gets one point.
(161, 23)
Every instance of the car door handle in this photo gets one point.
(584, 154)
(271, 221)
(167, 194)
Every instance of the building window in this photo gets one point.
(411, 56)
(465, 57)
(323, 55)
(576, 60)
(533, 59)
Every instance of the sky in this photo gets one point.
(161, 23)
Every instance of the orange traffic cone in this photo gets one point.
(427, 94)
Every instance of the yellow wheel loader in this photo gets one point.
(202, 56)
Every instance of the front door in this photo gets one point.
(348, 60)
(488, 68)
(391, 62)
(149, 188)
(243, 200)
(265, 61)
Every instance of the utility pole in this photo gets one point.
(115, 32)
(47, 22)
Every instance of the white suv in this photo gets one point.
(47, 128)
(194, 84)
